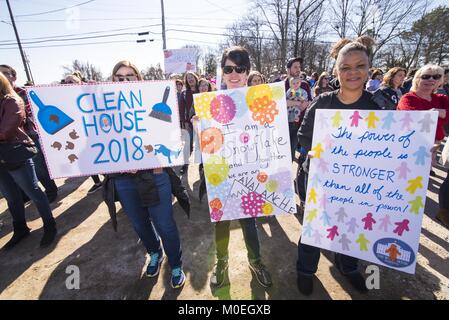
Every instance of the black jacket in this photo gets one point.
(325, 101)
(148, 192)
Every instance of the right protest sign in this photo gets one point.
(367, 184)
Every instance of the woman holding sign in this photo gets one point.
(235, 65)
(423, 96)
(352, 69)
(146, 197)
(20, 175)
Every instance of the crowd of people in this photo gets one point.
(146, 196)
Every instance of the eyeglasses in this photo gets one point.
(238, 69)
(128, 77)
(430, 76)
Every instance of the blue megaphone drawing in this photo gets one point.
(51, 118)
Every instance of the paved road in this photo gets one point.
(112, 264)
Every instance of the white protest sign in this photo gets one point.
(107, 127)
(367, 184)
(246, 152)
(180, 60)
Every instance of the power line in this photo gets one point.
(81, 38)
(77, 44)
(57, 10)
(79, 34)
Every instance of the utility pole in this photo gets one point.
(164, 41)
(18, 42)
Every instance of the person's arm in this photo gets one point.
(305, 132)
(12, 115)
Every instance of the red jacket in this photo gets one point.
(411, 101)
(12, 121)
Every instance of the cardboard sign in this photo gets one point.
(244, 140)
(107, 127)
(180, 60)
(367, 184)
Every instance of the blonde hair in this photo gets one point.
(6, 89)
(344, 46)
(126, 63)
(388, 77)
(432, 67)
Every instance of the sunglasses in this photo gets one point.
(238, 69)
(128, 77)
(430, 76)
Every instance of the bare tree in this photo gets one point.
(276, 16)
(304, 12)
(341, 10)
(88, 70)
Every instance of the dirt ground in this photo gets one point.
(112, 264)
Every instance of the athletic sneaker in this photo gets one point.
(178, 278)
(155, 264)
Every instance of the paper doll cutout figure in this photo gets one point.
(352, 224)
(363, 242)
(403, 169)
(344, 242)
(323, 166)
(326, 219)
(323, 121)
(337, 119)
(406, 121)
(328, 142)
(416, 205)
(323, 201)
(312, 215)
(421, 156)
(393, 252)
(308, 230)
(371, 119)
(401, 227)
(426, 122)
(317, 237)
(318, 151)
(414, 184)
(315, 181)
(369, 221)
(384, 223)
(332, 232)
(312, 196)
(341, 214)
(355, 119)
(388, 121)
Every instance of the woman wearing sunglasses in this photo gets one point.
(146, 198)
(236, 65)
(422, 96)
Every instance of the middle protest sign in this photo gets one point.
(367, 184)
(107, 127)
(180, 60)
(245, 147)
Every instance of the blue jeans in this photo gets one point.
(249, 229)
(309, 256)
(11, 183)
(152, 222)
(443, 194)
(42, 170)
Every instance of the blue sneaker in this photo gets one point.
(155, 264)
(177, 278)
